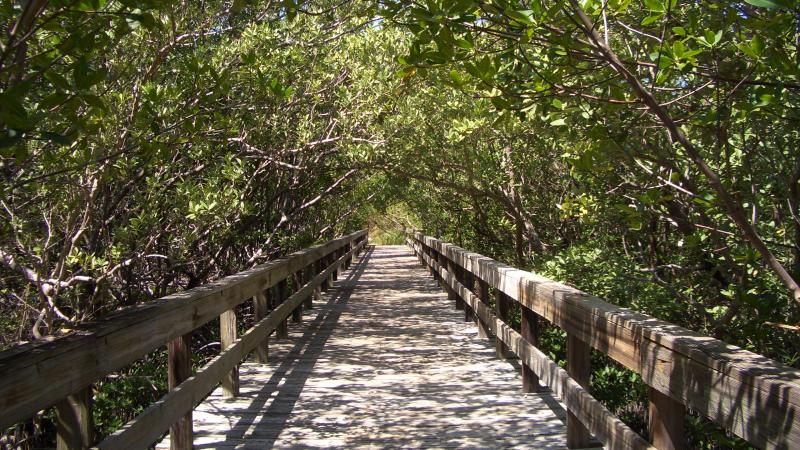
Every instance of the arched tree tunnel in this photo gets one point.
(641, 150)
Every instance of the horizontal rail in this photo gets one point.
(37, 375)
(148, 426)
(753, 396)
(599, 420)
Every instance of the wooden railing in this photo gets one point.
(60, 372)
(754, 397)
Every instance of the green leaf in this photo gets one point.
(524, 17)
(13, 113)
(654, 5)
(456, 78)
(678, 49)
(558, 123)
(406, 72)
(772, 4)
(56, 138)
(465, 44)
(500, 103)
(82, 74)
(237, 6)
(650, 19)
(57, 80)
(53, 100)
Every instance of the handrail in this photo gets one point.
(38, 375)
(754, 397)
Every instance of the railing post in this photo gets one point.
(260, 311)
(452, 269)
(334, 257)
(74, 427)
(332, 276)
(298, 282)
(317, 297)
(502, 308)
(443, 264)
(179, 368)
(579, 368)
(321, 268)
(309, 275)
(469, 279)
(483, 294)
(530, 330)
(227, 333)
(666, 421)
(282, 332)
(461, 275)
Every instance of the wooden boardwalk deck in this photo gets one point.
(383, 362)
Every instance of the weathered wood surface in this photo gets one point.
(383, 361)
(753, 396)
(37, 375)
(145, 428)
(582, 406)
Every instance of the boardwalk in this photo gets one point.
(385, 362)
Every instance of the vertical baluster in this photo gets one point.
(502, 309)
(332, 276)
(320, 268)
(74, 426)
(483, 294)
(260, 310)
(227, 332)
(452, 269)
(179, 368)
(442, 260)
(335, 257)
(529, 328)
(579, 368)
(666, 421)
(298, 281)
(318, 288)
(461, 275)
(469, 280)
(309, 275)
(281, 290)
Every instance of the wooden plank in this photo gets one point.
(502, 308)
(74, 425)
(297, 280)
(281, 291)
(227, 334)
(451, 294)
(146, 428)
(753, 396)
(179, 369)
(308, 274)
(666, 420)
(67, 364)
(331, 276)
(260, 310)
(461, 275)
(579, 369)
(530, 331)
(469, 282)
(483, 295)
(345, 395)
(599, 420)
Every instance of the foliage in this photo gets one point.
(640, 150)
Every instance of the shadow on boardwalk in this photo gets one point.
(384, 363)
